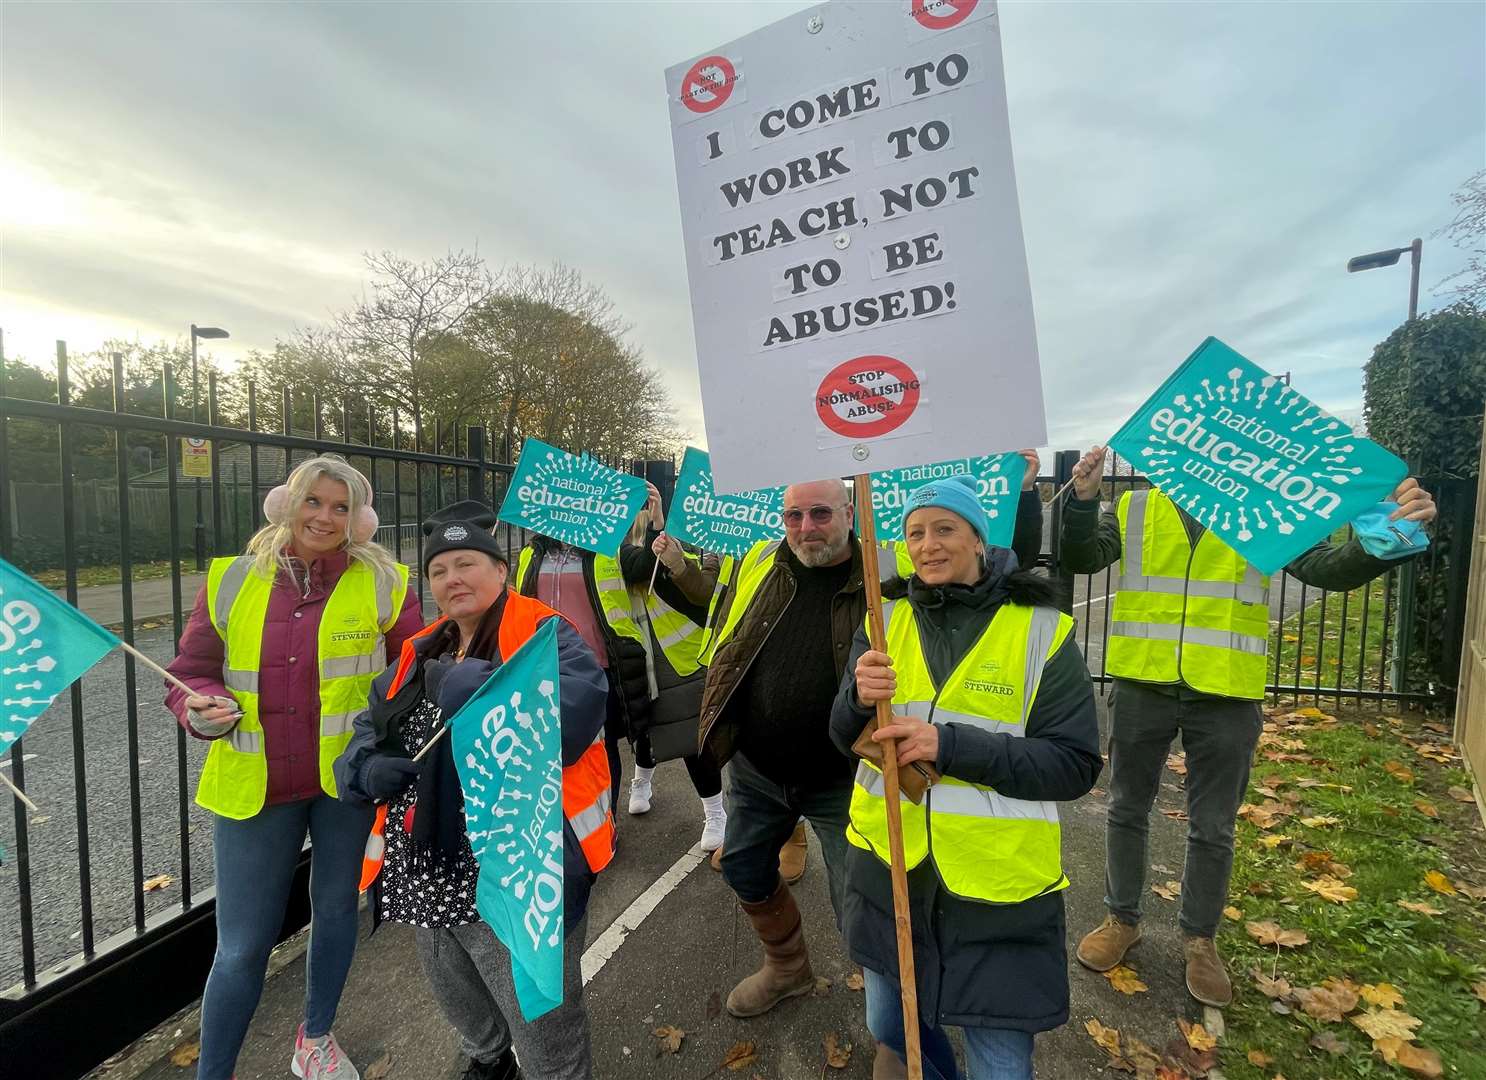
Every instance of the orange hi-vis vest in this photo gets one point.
(586, 800)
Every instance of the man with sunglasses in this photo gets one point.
(785, 632)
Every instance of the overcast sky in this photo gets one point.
(1184, 169)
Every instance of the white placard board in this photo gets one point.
(853, 244)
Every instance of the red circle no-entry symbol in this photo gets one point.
(867, 396)
(942, 14)
(708, 84)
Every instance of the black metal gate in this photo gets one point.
(127, 952)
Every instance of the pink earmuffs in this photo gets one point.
(276, 509)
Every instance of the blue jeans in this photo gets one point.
(761, 817)
(255, 861)
(990, 1053)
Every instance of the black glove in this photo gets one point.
(385, 777)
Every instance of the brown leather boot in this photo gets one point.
(716, 860)
(888, 1065)
(786, 972)
(792, 856)
(1206, 979)
(1106, 945)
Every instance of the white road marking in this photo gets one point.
(607, 944)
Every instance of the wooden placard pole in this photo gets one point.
(867, 534)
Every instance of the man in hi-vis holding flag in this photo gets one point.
(1201, 673)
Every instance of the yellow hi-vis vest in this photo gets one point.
(1183, 614)
(985, 846)
(725, 571)
(352, 652)
(678, 637)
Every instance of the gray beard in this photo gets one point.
(821, 556)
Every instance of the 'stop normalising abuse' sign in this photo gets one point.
(854, 250)
(1254, 460)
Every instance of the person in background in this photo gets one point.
(281, 648)
(675, 619)
(429, 872)
(593, 593)
(1188, 649)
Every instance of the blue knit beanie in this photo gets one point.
(958, 495)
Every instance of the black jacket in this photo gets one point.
(979, 964)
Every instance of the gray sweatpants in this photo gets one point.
(470, 971)
(1219, 736)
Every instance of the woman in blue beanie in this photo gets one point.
(993, 711)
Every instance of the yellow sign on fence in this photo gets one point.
(196, 457)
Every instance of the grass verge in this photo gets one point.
(1338, 638)
(1369, 811)
(106, 575)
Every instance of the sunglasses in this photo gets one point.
(819, 515)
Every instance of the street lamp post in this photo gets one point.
(1406, 584)
(210, 333)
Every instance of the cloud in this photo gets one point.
(1184, 170)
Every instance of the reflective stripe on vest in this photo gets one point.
(1183, 614)
(352, 651)
(678, 637)
(984, 845)
(725, 571)
(586, 804)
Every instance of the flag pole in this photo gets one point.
(19, 794)
(143, 659)
(429, 744)
(907, 983)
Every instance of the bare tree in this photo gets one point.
(1468, 231)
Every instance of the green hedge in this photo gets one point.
(1424, 390)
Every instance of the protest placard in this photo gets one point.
(998, 480)
(854, 250)
(574, 499)
(726, 524)
(1252, 459)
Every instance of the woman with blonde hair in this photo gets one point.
(281, 649)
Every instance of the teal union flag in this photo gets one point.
(507, 743)
(45, 645)
(1254, 460)
(573, 499)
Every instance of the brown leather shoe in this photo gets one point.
(888, 1065)
(1206, 979)
(792, 856)
(716, 860)
(786, 972)
(1106, 945)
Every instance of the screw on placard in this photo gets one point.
(860, 452)
(815, 24)
(842, 241)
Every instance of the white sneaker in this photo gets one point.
(639, 795)
(320, 1059)
(714, 824)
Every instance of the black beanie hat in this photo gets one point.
(464, 525)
